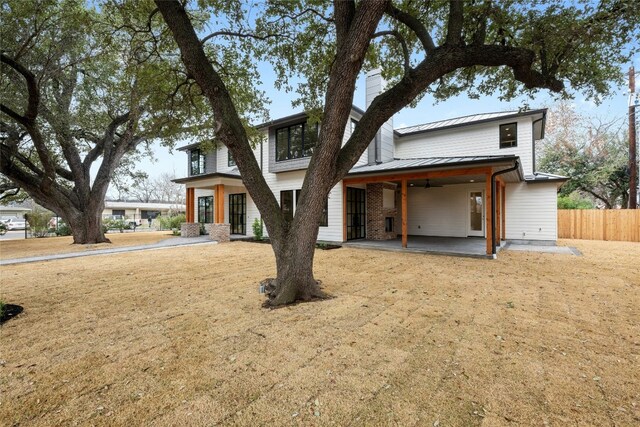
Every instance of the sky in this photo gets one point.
(426, 111)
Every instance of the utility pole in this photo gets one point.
(633, 164)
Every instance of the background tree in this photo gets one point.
(440, 47)
(592, 153)
(82, 88)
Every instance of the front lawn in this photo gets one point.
(22, 248)
(179, 338)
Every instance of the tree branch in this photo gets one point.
(455, 23)
(403, 44)
(343, 12)
(414, 25)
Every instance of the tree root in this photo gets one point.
(277, 298)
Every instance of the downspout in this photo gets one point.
(493, 204)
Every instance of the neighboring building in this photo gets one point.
(139, 212)
(13, 211)
(433, 179)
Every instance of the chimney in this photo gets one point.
(381, 148)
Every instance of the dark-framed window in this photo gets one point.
(197, 162)
(238, 213)
(205, 209)
(324, 220)
(509, 135)
(296, 141)
(117, 212)
(230, 160)
(149, 214)
(286, 204)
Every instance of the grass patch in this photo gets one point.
(177, 337)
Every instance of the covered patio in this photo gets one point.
(487, 175)
(474, 247)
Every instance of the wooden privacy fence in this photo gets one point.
(599, 224)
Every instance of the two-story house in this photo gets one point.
(469, 177)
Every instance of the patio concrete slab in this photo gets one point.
(475, 247)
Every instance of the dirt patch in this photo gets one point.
(11, 249)
(410, 339)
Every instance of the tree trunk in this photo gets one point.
(86, 228)
(294, 267)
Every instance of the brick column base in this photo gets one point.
(220, 232)
(190, 229)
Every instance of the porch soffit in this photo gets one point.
(211, 182)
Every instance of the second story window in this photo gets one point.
(197, 162)
(352, 125)
(230, 160)
(509, 135)
(296, 141)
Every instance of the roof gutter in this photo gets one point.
(516, 165)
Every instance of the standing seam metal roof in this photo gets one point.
(427, 162)
(458, 121)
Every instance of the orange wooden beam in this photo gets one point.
(404, 213)
(219, 204)
(344, 211)
(419, 175)
(498, 211)
(487, 203)
(190, 202)
(503, 202)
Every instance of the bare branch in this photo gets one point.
(403, 44)
(414, 25)
(239, 35)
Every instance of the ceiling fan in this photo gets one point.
(428, 185)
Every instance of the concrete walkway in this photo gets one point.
(548, 249)
(167, 243)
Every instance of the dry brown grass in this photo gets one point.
(11, 249)
(528, 339)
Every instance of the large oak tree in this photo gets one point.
(440, 47)
(83, 88)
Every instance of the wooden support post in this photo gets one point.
(488, 213)
(219, 204)
(498, 213)
(190, 208)
(344, 211)
(404, 213)
(503, 202)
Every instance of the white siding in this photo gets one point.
(293, 181)
(440, 211)
(473, 140)
(531, 211)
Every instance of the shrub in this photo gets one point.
(171, 222)
(574, 201)
(65, 230)
(257, 229)
(38, 222)
(3, 228)
(115, 224)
